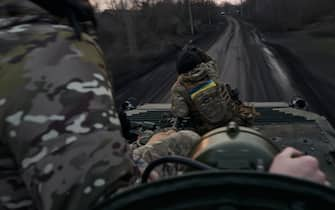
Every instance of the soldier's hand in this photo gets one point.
(161, 135)
(203, 55)
(292, 162)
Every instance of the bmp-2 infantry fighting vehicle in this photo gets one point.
(217, 180)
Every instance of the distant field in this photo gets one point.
(310, 53)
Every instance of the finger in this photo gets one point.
(327, 183)
(169, 132)
(322, 177)
(161, 136)
(154, 176)
(311, 162)
(318, 177)
(291, 152)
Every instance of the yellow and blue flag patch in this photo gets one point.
(201, 88)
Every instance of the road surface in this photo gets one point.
(247, 64)
(243, 61)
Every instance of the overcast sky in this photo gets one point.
(231, 1)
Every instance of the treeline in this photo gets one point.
(148, 25)
(139, 35)
(286, 14)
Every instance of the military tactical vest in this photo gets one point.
(207, 97)
(208, 100)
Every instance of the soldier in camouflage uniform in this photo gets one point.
(60, 141)
(199, 95)
(164, 144)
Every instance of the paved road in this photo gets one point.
(244, 62)
(151, 88)
(247, 64)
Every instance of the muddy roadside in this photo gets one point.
(310, 55)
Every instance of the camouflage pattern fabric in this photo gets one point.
(60, 142)
(180, 143)
(11, 9)
(211, 69)
(179, 95)
(183, 106)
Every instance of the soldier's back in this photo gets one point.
(18, 37)
(60, 142)
(207, 102)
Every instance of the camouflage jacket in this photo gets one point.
(181, 102)
(183, 106)
(60, 142)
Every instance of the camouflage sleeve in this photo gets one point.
(60, 122)
(179, 106)
(181, 143)
(213, 71)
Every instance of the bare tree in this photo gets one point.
(190, 13)
(129, 25)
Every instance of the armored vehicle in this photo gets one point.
(224, 186)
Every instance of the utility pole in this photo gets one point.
(190, 16)
(241, 8)
(208, 5)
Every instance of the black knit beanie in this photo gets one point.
(187, 60)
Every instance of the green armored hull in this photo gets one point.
(283, 125)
